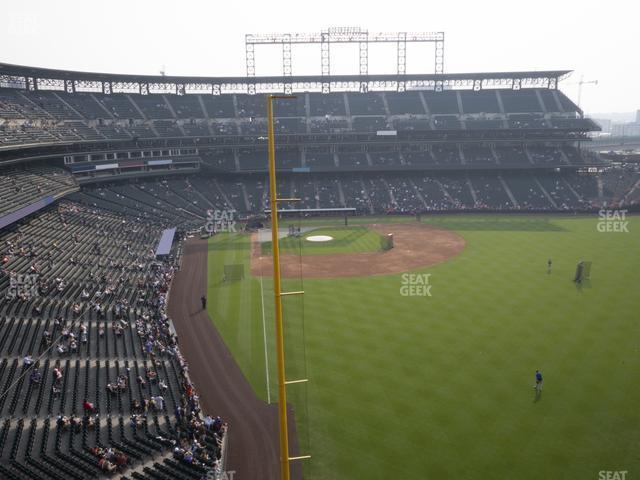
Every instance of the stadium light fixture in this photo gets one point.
(335, 37)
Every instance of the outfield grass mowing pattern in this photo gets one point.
(441, 387)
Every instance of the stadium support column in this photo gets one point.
(325, 62)
(363, 51)
(401, 59)
(287, 69)
(439, 54)
(286, 56)
(250, 57)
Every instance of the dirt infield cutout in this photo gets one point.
(416, 246)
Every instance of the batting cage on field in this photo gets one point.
(233, 272)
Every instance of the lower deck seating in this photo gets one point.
(92, 382)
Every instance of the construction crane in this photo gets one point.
(580, 84)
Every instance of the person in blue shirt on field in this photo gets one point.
(538, 385)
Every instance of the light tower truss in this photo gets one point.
(340, 36)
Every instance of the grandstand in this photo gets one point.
(92, 378)
(105, 132)
(94, 167)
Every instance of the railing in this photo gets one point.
(221, 474)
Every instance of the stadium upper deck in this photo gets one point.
(49, 107)
(106, 127)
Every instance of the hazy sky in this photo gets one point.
(599, 40)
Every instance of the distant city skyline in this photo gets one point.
(207, 38)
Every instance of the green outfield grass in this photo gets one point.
(345, 240)
(441, 387)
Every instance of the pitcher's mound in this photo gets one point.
(319, 238)
(416, 245)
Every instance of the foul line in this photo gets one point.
(264, 333)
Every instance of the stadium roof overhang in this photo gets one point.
(35, 78)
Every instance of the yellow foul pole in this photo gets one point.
(282, 392)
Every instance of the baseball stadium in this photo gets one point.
(330, 277)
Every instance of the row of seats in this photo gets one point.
(50, 117)
(49, 131)
(22, 187)
(188, 200)
(436, 154)
(92, 106)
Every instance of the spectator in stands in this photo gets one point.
(136, 421)
(121, 460)
(106, 465)
(158, 402)
(208, 422)
(87, 406)
(122, 383)
(117, 329)
(92, 421)
(28, 361)
(35, 378)
(63, 422)
(75, 423)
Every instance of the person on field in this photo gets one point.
(538, 385)
(203, 300)
(579, 270)
(549, 266)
